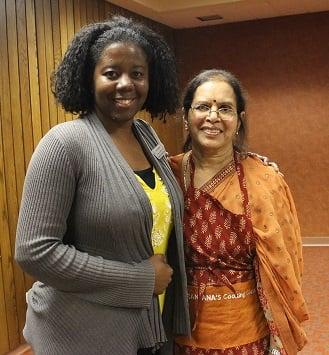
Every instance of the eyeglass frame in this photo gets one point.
(232, 112)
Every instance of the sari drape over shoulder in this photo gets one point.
(278, 262)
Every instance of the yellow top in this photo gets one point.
(162, 217)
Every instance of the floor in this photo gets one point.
(316, 292)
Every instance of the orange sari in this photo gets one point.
(278, 261)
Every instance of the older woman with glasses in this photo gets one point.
(242, 238)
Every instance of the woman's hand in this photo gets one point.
(163, 273)
(266, 161)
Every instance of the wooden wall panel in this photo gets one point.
(69, 19)
(76, 14)
(34, 35)
(83, 11)
(33, 72)
(42, 68)
(19, 164)
(26, 119)
(9, 175)
(4, 236)
(49, 61)
(24, 81)
(57, 51)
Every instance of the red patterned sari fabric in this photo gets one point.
(220, 249)
(256, 348)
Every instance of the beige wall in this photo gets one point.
(284, 65)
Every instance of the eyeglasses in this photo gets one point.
(225, 113)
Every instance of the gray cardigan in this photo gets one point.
(84, 232)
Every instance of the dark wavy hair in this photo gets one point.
(72, 80)
(240, 96)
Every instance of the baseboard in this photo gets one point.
(23, 349)
(316, 241)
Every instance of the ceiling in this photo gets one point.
(184, 13)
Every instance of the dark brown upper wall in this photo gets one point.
(284, 65)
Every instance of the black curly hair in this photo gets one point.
(240, 96)
(72, 80)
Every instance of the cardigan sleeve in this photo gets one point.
(48, 195)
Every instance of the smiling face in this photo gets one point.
(120, 83)
(210, 132)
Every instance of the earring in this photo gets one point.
(185, 125)
(237, 133)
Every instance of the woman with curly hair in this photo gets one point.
(100, 218)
